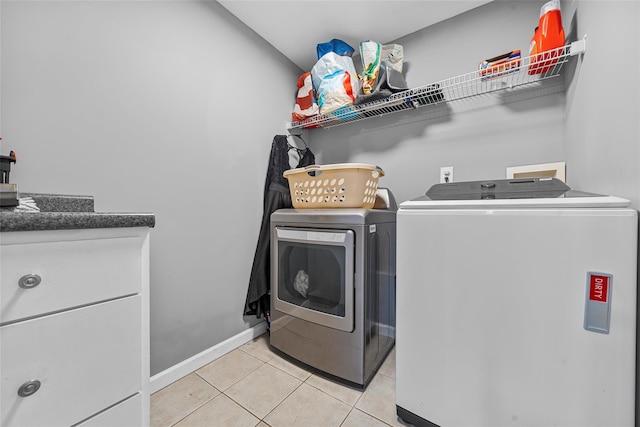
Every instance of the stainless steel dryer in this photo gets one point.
(333, 289)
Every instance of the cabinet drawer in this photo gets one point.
(85, 359)
(124, 414)
(71, 273)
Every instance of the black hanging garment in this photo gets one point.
(276, 196)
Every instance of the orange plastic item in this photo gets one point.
(501, 64)
(547, 38)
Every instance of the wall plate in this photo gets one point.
(543, 170)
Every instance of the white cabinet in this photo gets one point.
(74, 327)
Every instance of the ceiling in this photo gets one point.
(296, 27)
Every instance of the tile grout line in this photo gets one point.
(352, 406)
(222, 391)
(305, 381)
(200, 406)
(247, 409)
(366, 413)
(274, 408)
(285, 398)
(335, 397)
(246, 352)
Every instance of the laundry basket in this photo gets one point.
(341, 185)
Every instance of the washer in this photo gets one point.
(333, 289)
(516, 306)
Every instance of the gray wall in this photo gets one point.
(157, 106)
(602, 127)
(479, 137)
(139, 104)
(591, 124)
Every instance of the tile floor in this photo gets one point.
(252, 386)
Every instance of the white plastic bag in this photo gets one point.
(335, 81)
(370, 57)
(393, 56)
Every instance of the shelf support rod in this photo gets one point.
(579, 46)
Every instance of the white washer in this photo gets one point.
(516, 306)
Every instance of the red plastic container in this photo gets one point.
(547, 38)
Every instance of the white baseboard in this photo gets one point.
(174, 373)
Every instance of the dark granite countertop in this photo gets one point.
(65, 212)
(61, 202)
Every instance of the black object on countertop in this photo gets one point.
(5, 166)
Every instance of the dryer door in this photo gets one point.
(312, 275)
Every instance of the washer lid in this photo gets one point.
(514, 193)
(527, 188)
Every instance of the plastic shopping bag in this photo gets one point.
(335, 45)
(306, 105)
(389, 82)
(384, 79)
(370, 55)
(335, 82)
(392, 55)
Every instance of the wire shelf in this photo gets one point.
(509, 74)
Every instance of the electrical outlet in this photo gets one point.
(446, 174)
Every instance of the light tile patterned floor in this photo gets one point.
(252, 386)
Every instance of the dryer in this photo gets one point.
(333, 289)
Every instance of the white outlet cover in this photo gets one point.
(448, 172)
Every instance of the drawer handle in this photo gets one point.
(29, 281)
(29, 388)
